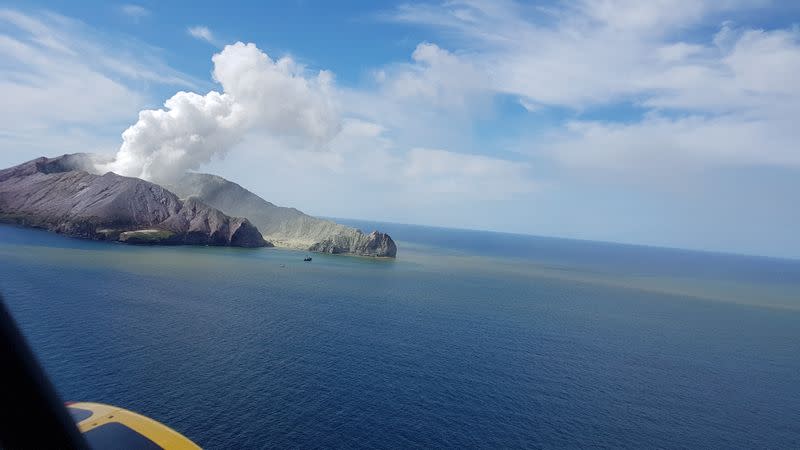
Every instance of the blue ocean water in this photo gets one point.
(468, 339)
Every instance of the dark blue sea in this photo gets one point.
(468, 339)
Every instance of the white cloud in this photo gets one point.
(53, 87)
(656, 17)
(434, 171)
(431, 101)
(739, 103)
(727, 100)
(279, 95)
(577, 54)
(753, 72)
(362, 152)
(58, 80)
(202, 33)
(661, 144)
(48, 37)
(437, 77)
(135, 12)
(529, 105)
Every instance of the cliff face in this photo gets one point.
(55, 194)
(286, 227)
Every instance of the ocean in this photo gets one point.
(468, 339)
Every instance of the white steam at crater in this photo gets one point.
(273, 96)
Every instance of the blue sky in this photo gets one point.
(665, 123)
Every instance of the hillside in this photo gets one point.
(58, 195)
(286, 227)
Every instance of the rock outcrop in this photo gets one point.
(58, 195)
(285, 227)
(373, 244)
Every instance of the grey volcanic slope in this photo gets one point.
(285, 227)
(57, 195)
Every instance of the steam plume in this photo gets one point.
(259, 93)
